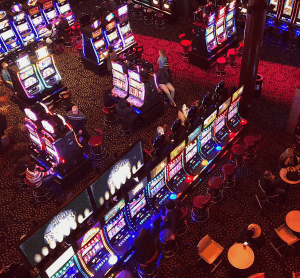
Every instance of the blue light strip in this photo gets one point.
(83, 48)
(96, 53)
(33, 28)
(20, 39)
(105, 35)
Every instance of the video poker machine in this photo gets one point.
(112, 34)
(125, 28)
(93, 254)
(9, 39)
(158, 189)
(287, 10)
(120, 80)
(137, 90)
(274, 12)
(66, 265)
(22, 24)
(61, 146)
(177, 178)
(139, 208)
(117, 233)
(37, 20)
(296, 17)
(234, 120)
(49, 11)
(26, 80)
(221, 130)
(220, 26)
(230, 19)
(64, 8)
(205, 42)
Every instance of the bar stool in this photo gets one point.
(159, 21)
(137, 12)
(49, 104)
(183, 225)
(215, 188)
(237, 154)
(67, 37)
(76, 29)
(148, 16)
(97, 151)
(185, 46)
(150, 268)
(123, 274)
(20, 173)
(65, 98)
(125, 129)
(251, 146)
(292, 39)
(169, 246)
(276, 40)
(200, 211)
(41, 194)
(138, 51)
(110, 119)
(221, 62)
(232, 57)
(229, 172)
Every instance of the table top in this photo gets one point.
(293, 220)
(240, 257)
(283, 173)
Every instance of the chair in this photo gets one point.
(229, 172)
(65, 98)
(250, 146)
(110, 119)
(148, 16)
(159, 21)
(221, 63)
(76, 29)
(232, 53)
(125, 129)
(258, 275)
(97, 151)
(209, 251)
(137, 12)
(200, 211)
(215, 188)
(266, 199)
(182, 224)
(185, 46)
(150, 268)
(286, 235)
(67, 37)
(41, 194)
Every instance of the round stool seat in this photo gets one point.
(238, 149)
(149, 10)
(64, 94)
(95, 141)
(165, 235)
(124, 274)
(231, 51)
(20, 170)
(105, 111)
(186, 43)
(137, 6)
(228, 169)
(221, 60)
(215, 183)
(201, 200)
(250, 140)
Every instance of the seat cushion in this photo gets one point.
(211, 252)
(215, 183)
(95, 141)
(286, 235)
(228, 169)
(200, 200)
(186, 43)
(221, 60)
(238, 149)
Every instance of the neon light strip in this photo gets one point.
(83, 48)
(120, 35)
(20, 39)
(106, 244)
(33, 28)
(25, 90)
(84, 265)
(96, 53)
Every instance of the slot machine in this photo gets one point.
(168, 5)
(139, 208)
(158, 189)
(120, 80)
(93, 254)
(274, 13)
(46, 67)
(207, 144)
(111, 33)
(230, 19)
(26, 80)
(296, 15)
(125, 28)
(2, 51)
(177, 178)
(234, 120)
(221, 130)
(61, 145)
(93, 44)
(220, 26)
(155, 4)
(205, 42)
(22, 24)
(136, 89)
(64, 8)
(67, 265)
(49, 12)
(117, 233)
(10, 40)
(37, 20)
(287, 10)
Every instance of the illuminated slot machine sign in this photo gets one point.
(158, 190)
(92, 253)
(125, 28)
(220, 26)
(166, 5)
(287, 10)
(120, 80)
(136, 89)
(117, 233)
(221, 130)
(210, 37)
(112, 35)
(273, 13)
(37, 20)
(28, 77)
(230, 19)
(233, 118)
(35, 140)
(50, 12)
(64, 8)
(37, 245)
(297, 21)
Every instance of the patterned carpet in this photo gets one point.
(268, 116)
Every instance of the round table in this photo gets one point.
(293, 220)
(240, 257)
(283, 173)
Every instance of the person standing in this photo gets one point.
(77, 120)
(162, 59)
(6, 76)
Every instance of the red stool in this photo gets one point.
(221, 63)
(149, 268)
(229, 172)
(137, 12)
(123, 274)
(250, 146)
(110, 119)
(215, 188)
(97, 152)
(232, 57)
(76, 29)
(186, 47)
(200, 211)
(237, 154)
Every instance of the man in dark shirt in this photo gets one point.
(123, 109)
(146, 247)
(272, 186)
(6, 76)
(77, 120)
(62, 25)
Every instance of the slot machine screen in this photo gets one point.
(275, 3)
(194, 134)
(48, 5)
(232, 113)
(117, 67)
(211, 19)
(157, 186)
(19, 17)
(206, 139)
(191, 150)
(42, 53)
(177, 150)
(220, 30)
(210, 37)
(99, 44)
(61, 1)
(23, 27)
(230, 16)
(7, 35)
(288, 4)
(30, 81)
(123, 10)
(220, 125)
(50, 149)
(97, 33)
(96, 24)
(137, 199)
(37, 21)
(4, 24)
(56, 228)
(52, 14)
(176, 168)
(210, 119)
(114, 178)
(224, 106)
(65, 8)
(126, 29)
(237, 93)
(231, 5)
(48, 71)
(221, 12)
(158, 168)
(209, 30)
(134, 75)
(28, 72)
(34, 11)
(45, 63)
(34, 138)
(112, 36)
(111, 25)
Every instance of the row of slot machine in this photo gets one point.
(52, 140)
(216, 30)
(168, 7)
(114, 30)
(109, 239)
(25, 24)
(35, 77)
(286, 11)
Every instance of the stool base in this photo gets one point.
(148, 21)
(221, 73)
(232, 64)
(42, 198)
(172, 252)
(160, 25)
(143, 273)
(183, 229)
(199, 217)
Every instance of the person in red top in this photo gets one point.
(36, 175)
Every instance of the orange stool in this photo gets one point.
(200, 211)
(215, 188)
(221, 63)
(232, 57)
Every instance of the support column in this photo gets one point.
(254, 31)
